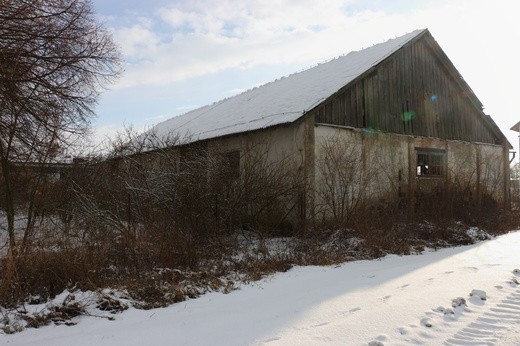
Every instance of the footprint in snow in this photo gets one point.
(320, 324)
(426, 321)
(448, 313)
(271, 340)
(443, 310)
(404, 286)
(478, 295)
(378, 341)
(471, 268)
(375, 343)
(516, 272)
(459, 301)
(350, 311)
(439, 309)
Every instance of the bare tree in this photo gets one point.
(55, 58)
(344, 181)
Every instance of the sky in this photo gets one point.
(181, 55)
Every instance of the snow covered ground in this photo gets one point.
(458, 296)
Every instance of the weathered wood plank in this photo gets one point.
(412, 92)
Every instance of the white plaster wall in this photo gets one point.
(379, 171)
(388, 162)
(279, 144)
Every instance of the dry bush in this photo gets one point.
(152, 206)
(343, 183)
(448, 203)
(266, 195)
(47, 273)
(162, 221)
(354, 187)
(356, 190)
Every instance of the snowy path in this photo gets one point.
(393, 301)
(493, 325)
(493, 321)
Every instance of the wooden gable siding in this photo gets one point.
(414, 92)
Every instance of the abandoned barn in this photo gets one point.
(394, 122)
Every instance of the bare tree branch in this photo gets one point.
(55, 59)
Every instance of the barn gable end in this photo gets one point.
(415, 91)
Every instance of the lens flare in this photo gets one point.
(408, 116)
(369, 130)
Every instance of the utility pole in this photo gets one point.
(516, 128)
(516, 168)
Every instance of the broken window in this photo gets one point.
(430, 162)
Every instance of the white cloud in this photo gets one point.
(138, 40)
(105, 133)
(197, 38)
(208, 36)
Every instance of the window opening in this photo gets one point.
(233, 163)
(430, 163)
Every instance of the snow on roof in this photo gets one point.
(279, 102)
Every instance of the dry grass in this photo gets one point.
(156, 279)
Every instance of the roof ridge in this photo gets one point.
(289, 95)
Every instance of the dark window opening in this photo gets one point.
(233, 164)
(430, 163)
